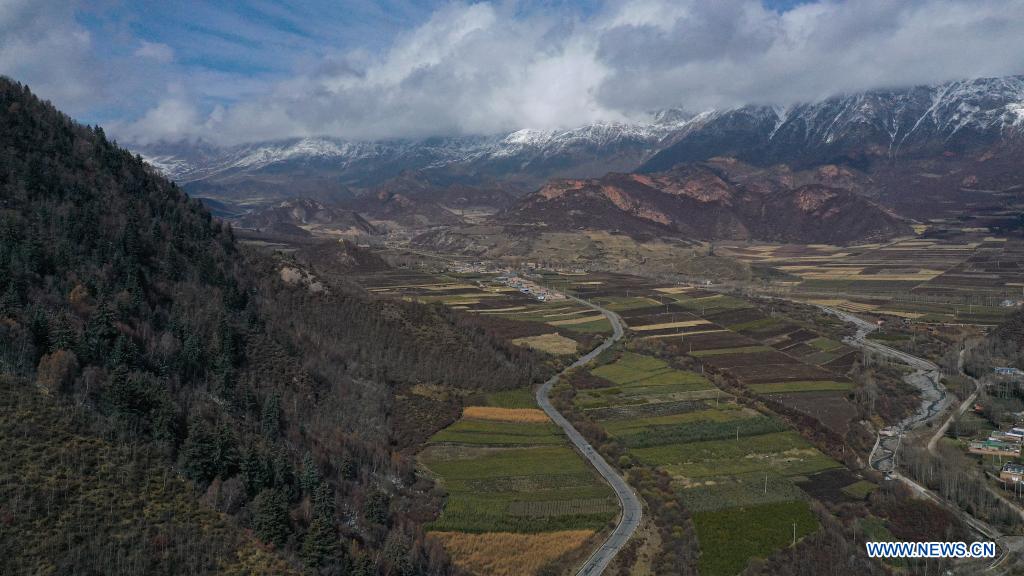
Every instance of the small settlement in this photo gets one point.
(999, 443)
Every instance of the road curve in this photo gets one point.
(632, 510)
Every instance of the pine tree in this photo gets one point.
(270, 520)
(310, 477)
(348, 468)
(199, 453)
(270, 419)
(323, 500)
(227, 452)
(62, 334)
(254, 472)
(321, 543)
(375, 509)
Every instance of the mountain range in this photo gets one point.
(925, 151)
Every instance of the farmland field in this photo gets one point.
(762, 529)
(509, 553)
(513, 480)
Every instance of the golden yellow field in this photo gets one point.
(504, 414)
(572, 321)
(553, 343)
(508, 554)
(682, 324)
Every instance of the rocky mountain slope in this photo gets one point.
(302, 216)
(719, 199)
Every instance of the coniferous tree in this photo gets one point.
(323, 500)
(199, 452)
(270, 419)
(321, 544)
(310, 477)
(228, 459)
(270, 518)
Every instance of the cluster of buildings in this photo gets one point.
(530, 288)
(1000, 443)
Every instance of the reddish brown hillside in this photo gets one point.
(719, 199)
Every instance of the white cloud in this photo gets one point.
(487, 68)
(42, 45)
(161, 53)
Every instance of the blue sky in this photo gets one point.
(231, 72)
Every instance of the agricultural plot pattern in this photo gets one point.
(770, 355)
(519, 497)
(924, 279)
(742, 473)
(553, 325)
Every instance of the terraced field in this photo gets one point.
(512, 479)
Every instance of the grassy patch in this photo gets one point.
(860, 489)
(825, 344)
(730, 538)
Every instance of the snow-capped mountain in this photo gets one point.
(857, 129)
(883, 124)
(526, 157)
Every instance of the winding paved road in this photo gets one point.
(632, 510)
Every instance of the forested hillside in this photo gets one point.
(203, 393)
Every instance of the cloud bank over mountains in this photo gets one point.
(493, 67)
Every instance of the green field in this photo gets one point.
(745, 490)
(539, 485)
(639, 378)
(595, 327)
(626, 426)
(699, 431)
(729, 538)
(799, 386)
(713, 450)
(754, 325)
(490, 432)
(521, 398)
(808, 461)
